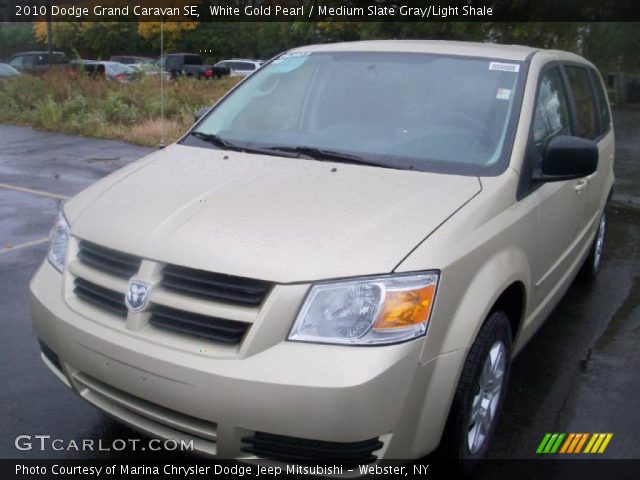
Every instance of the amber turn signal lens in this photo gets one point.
(406, 308)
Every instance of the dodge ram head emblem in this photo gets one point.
(137, 295)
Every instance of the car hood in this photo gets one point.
(265, 217)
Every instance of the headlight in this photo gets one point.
(368, 311)
(59, 236)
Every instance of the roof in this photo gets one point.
(129, 56)
(38, 52)
(472, 49)
(240, 60)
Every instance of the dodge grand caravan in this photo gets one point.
(341, 258)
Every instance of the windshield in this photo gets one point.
(118, 68)
(401, 110)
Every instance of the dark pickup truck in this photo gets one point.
(37, 62)
(189, 65)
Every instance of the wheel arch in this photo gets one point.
(512, 301)
(500, 282)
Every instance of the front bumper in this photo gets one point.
(320, 392)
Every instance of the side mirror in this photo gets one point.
(566, 158)
(199, 113)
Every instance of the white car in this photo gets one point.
(241, 66)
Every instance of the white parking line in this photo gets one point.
(11, 248)
(31, 190)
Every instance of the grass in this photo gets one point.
(99, 108)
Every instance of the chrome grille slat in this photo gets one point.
(215, 286)
(105, 259)
(100, 297)
(221, 330)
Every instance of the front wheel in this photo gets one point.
(480, 394)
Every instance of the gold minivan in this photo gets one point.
(340, 259)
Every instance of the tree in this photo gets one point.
(94, 39)
(613, 46)
(173, 32)
(17, 38)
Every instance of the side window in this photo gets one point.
(28, 60)
(584, 100)
(173, 62)
(603, 104)
(551, 116)
(192, 60)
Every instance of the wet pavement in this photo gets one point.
(627, 167)
(580, 371)
(578, 374)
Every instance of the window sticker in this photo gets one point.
(504, 67)
(503, 94)
(289, 62)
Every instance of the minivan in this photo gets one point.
(341, 258)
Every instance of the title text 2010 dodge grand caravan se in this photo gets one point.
(341, 258)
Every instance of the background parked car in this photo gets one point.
(131, 59)
(115, 71)
(7, 71)
(190, 65)
(240, 66)
(37, 62)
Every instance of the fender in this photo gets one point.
(471, 299)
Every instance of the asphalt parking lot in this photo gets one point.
(578, 374)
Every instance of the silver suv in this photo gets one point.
(341, 258)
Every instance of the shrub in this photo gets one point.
(82, 105)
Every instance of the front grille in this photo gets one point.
(214, 286)
(95, 265)
(217, 329)
(292, 449)
(100, 297)
(107, 260)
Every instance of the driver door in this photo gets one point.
(560, 205)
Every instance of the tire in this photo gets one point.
(466, 439)
(593, 262)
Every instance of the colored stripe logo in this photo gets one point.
(573, 443)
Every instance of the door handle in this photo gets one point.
(580, 185)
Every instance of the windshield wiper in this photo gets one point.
(224, 144)
(313, 153)
(316, 153)
(215, 140)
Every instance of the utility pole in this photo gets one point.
(49, 32)
(3, 19)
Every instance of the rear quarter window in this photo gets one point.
(244, 66)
